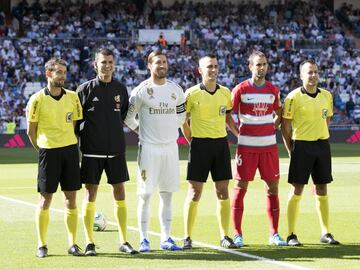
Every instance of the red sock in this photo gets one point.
(238, 209)
(273, 211)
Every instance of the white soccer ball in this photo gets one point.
(99, 221)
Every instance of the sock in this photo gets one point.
(322, 208)
(120, 212)
(238, 209)
(143, 212)
(293, 212)
(42, 220)
(223, 215)
(71, 221)
(165, 214)
(190, 211)
(273, 212)
(88, 211)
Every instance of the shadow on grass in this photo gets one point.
(350, 251)
(306, 253)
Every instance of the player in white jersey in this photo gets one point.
(160, 107)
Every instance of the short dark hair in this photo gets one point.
(254, 54)
(208, 55)
(104, 51)
(310, 61)
(153, 54)
(50, 65)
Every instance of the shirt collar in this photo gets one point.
(202, 87)
(47, 92)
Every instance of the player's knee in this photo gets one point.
(272, 190)
(90, 192)
(241, 184)
(222, 194)
(194, 195)
(45, 200)
(321, 190)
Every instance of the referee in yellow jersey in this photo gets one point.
(306, 116)
(208, 105)
(51, 114)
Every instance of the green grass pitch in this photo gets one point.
(18, 198)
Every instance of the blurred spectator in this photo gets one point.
(277, 29)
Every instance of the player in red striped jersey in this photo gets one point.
(256, 102)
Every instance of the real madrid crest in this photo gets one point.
(150, 92)
(173, 96)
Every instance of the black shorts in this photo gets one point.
(59, 165)
(209, 155)
(310, 158)
(115, 169)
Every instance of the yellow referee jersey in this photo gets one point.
(54, 117)
(308, 114)
(208, 111)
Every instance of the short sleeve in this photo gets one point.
(78, 115)
(288, 108)
(33, 109)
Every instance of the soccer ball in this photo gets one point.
(99, 221)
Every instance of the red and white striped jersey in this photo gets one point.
(255, 107)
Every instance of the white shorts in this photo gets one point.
(158, 165)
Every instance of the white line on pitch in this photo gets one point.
(30, 187)
(234, 252)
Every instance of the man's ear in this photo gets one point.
(95, 65)
(47, 73)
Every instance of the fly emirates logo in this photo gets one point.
(162, 109)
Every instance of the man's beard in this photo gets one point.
(161, 74)
(57, 84)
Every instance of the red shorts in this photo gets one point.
(247, 163)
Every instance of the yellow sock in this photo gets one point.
(223, 215)
(293, 212)
(190, 212)
(71, 222)
(88, 212)
(42, 220)
(120, 212)
(322, 208)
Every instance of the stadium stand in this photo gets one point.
(31, 34)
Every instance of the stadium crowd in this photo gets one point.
(31, 34)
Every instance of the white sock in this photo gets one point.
(165, 214)
(143, 212)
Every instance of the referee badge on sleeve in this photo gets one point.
(222, 110)
(324, 113)
(69, 117)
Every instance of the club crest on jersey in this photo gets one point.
(150, 92)
(143, 175)
(222, 110)
(173, 96)
(260, 109)
(69, 117)
(324, 113)
(117, 98)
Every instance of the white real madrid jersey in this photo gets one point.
(160, 110)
